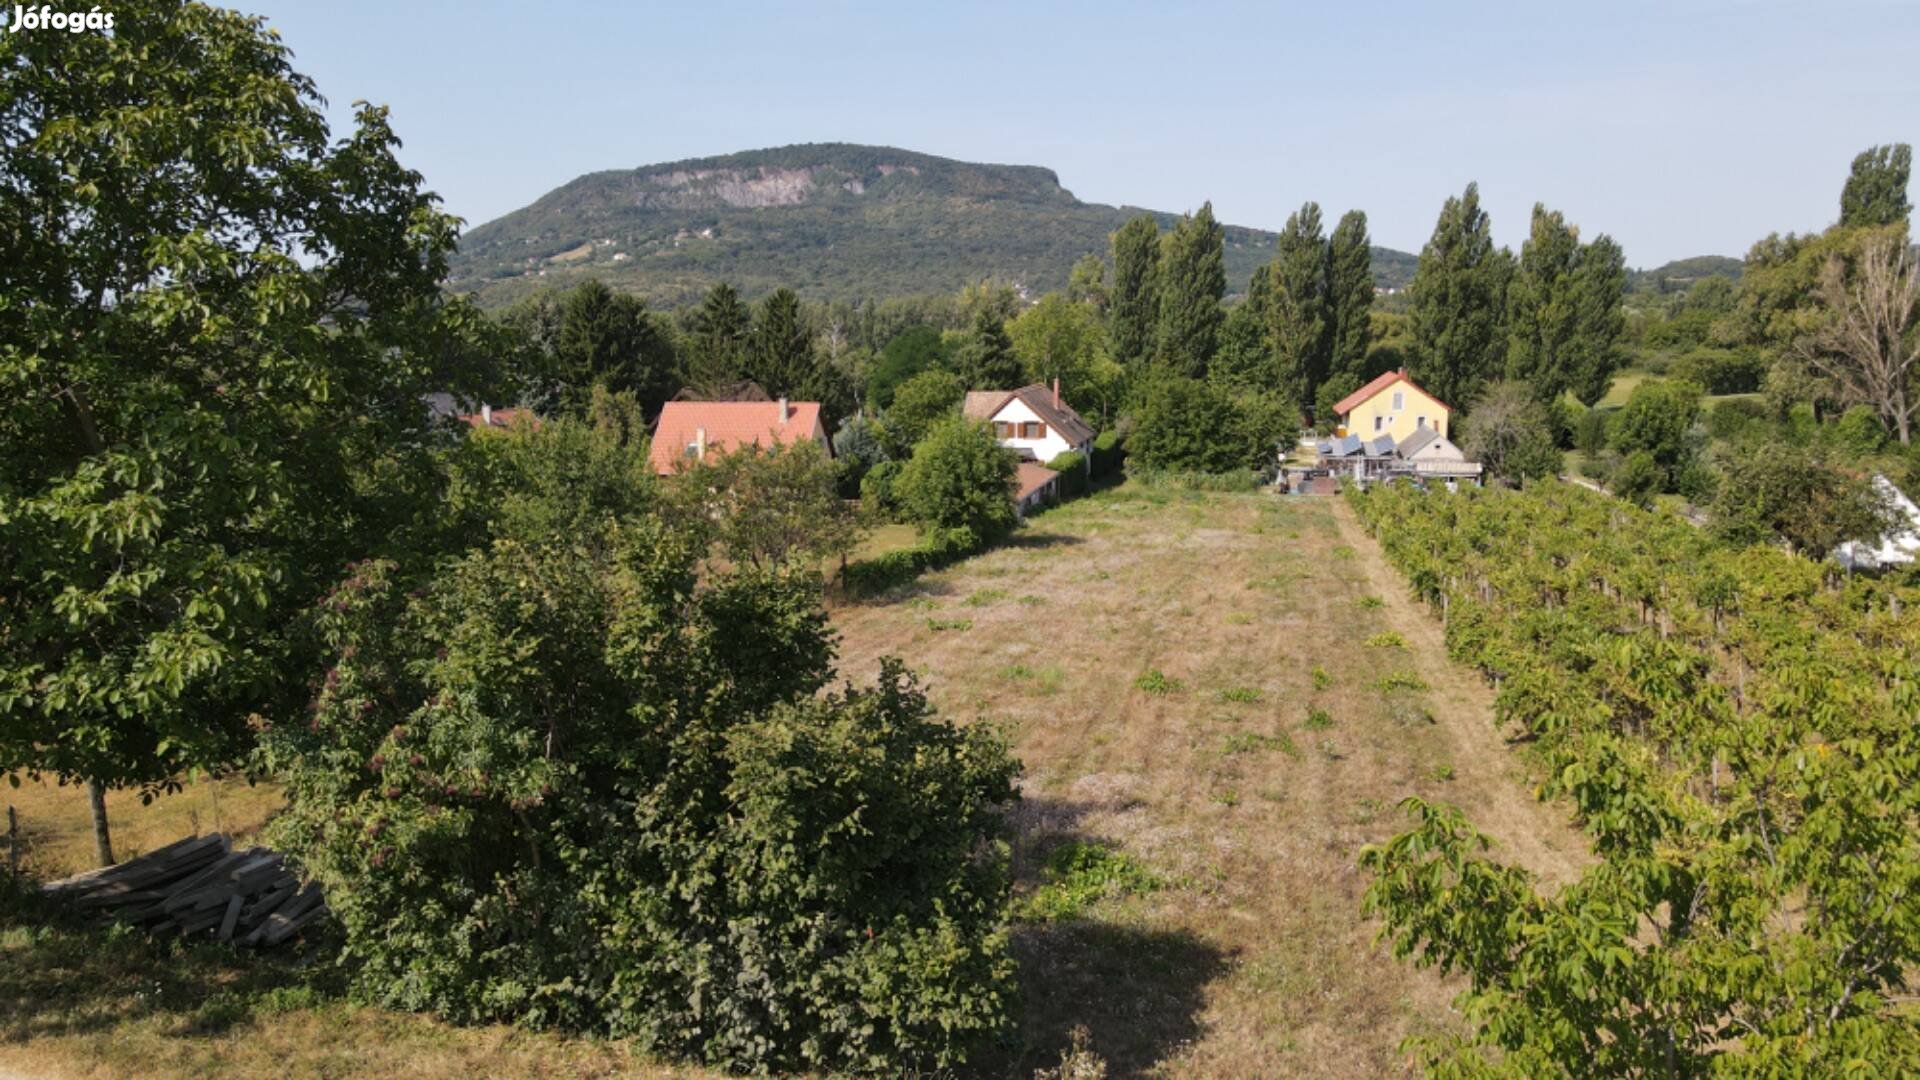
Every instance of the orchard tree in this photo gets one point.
(1193, 280)
(216, 326)
(1459, 291)
(1776, 489)
(1510, 432)
(1134, 306)
(772, 507)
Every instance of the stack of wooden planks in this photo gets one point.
(201, 885)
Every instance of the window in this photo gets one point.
(1379, 422)
(1399, 400)
(1002, 430)
(1033, 430)
(1421, 422)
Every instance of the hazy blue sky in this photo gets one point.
(1682, 128)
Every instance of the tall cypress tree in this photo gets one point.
(1300, 307)
(1193, 280)
(717, 352)
(1459, 291)
(1349, 296)
(1134, 309)
(782, 355)
(1876, 192)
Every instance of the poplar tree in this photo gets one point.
(1459, 290)
(1299, 311)
(1876, 192)
(1193, 282)
(1564, 316)
(1134, 306)
(1350, 295)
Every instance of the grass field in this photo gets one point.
(56, 829)
(1221, 696)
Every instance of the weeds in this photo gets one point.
(1155, 681)
(1077, 875)
(1244, 695)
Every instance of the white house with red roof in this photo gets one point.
(688, 431)
(1034, 423)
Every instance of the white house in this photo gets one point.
(1032, 421)
(1899, 547)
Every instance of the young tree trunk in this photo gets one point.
(102, 841)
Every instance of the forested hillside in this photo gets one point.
(830, 220)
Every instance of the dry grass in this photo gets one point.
(1133, 626)
(56, 830)
(1244, 779)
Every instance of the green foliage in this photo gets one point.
(580, 782)
(1386, 639)
(780, 348)
(1654, 431)
(591, 336)
(1794, 493)
(1300, 309)
(856, 450)
(959, 486)
(1512, 434)
(1078, 875)
(1722, 371)
(1186, 425)
(1459, 295)
(1059, 338)
(1109, 453)
(1155, 681)
(1134, 313)
(1563, 312)
(1350, 286)
(909, 353)
(876, 490)
(1639, 478)
(1072, 467)
(1318, 719)
(918, 404)
(1321, 679)
(216, 323)
(1192, 282)
(985, 360)
(1859, 432)
(1734, 730)
(1242, 695)
(1876, 191)
(722, 337)
(771, 507)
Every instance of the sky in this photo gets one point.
(1683, 128)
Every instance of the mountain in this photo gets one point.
(1680, 274)
(830, 220)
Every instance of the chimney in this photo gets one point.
(486, 415)
(699, 444)
(1056, 391)
(783, 412)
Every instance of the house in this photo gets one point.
(688, 431)
(1427, 444)
(1426, 456)
(445, 406)
(1391, 405)
(1037, 486)
(1901, 544)
(1032, 421)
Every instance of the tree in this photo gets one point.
(1876, 191)
(1193, 426)
(1459, 291)
(1060, 339)
(917, 405)
(1564, 315)
(1792, 492)
(717, 352)
(769, 507)
(602, 338)
(985, 360)
(1658, 421)
(1087, 283)
(959, 486)
(1246, 357)
(1134, 312)
(781, 354)
(1869, 345)
(1193, 279)
(582, 781)
(216, 326)
(1300, 307)
(1511, 434)
(908, 354)
(1349, 296)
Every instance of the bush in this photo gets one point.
(1190, 426)
(1722, 371)
(587, 782)
(959, 485)
(1859, 432)
(1639, 478)
(1072, 467)
(1109, 453)
(1590, 432)
(1731, 419)
(876, 490)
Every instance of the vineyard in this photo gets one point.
(1735, 729)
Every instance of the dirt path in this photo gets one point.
(1495, 789)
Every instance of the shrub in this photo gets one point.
(1590, 431)
(1859, 432)
(1244, 695)
(586, 782)
(876, 490)
(1109, 453)
(1639, 478)
(1387, 639)
(1072, 467)
(1077, 875)
(1190, 426)
(1318, 719)
(958, 489)
(1155, 681)
(1722, 371)
(1732, 419)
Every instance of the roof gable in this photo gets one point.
(1380, 383)
(987, 404)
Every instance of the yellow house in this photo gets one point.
(1391, 405)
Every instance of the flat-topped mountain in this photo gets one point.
(831, 220)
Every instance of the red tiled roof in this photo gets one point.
(986, 404)
(729, 425)
(499, 418)
(1353, 401)
(1033, 476)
